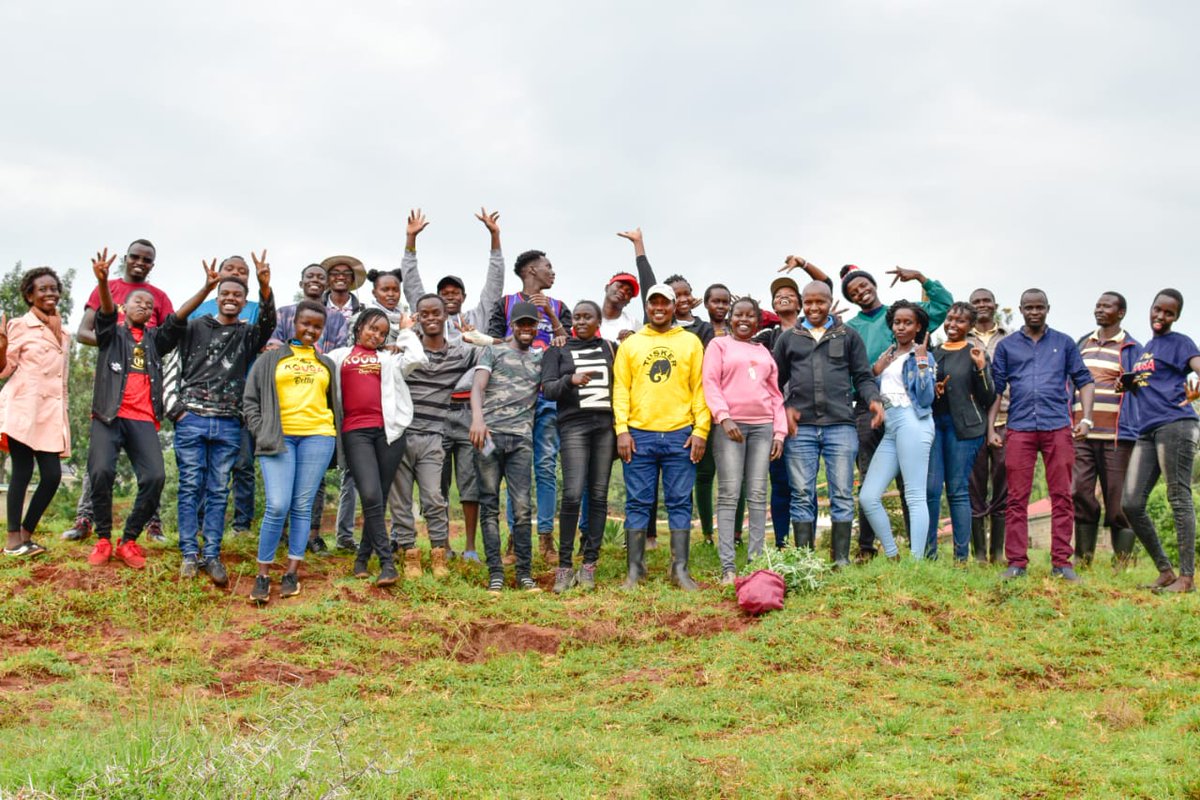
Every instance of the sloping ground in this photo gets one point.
(897, 680)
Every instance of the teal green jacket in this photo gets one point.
(873, 327)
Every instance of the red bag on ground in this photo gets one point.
(760, 591)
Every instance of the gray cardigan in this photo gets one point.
(260, 402)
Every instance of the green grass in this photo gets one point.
(894, 680)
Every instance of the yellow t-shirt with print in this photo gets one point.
(302, 382)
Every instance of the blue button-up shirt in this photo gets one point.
(1037, 375)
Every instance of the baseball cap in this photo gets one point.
(522, 311)
(782, 282)
(453, 280)
(624, 277)
(661, 289)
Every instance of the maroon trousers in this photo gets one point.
(1020, 457)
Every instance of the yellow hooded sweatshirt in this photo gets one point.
(657, 382)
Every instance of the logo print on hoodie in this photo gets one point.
(658, 364)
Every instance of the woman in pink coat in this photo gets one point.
(34, 355)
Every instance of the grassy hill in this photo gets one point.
(895, 680)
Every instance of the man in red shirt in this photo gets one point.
(139, 260)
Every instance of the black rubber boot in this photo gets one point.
(635, 557)
(804, 533)
(979, 539)
(680, 542)
(840, 535)
(1085, 543)
(997, 540)
(1122, 545)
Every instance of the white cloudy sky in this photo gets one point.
(999, 143)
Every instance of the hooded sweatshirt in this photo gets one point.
(658, 382)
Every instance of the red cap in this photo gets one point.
(625, 277)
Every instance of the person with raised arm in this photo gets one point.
(1164, 381)
(139, 260)
(458, 461)
(215, 353)
(35, 425)
(430, 385)
(554, 320)
(127, 405)
(822, 364)
(1037, 364)
(662, 422)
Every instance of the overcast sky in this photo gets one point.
(1005, 144)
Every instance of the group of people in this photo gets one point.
(413, 390)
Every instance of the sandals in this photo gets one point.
(25, 550)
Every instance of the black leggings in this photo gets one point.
(373, 464)
(50, 472)
(587, 458)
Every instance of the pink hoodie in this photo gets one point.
(741, 382)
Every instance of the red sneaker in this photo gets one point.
(132, 554)
(101, 553)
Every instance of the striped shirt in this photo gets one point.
(430, 386)
(1102, 357)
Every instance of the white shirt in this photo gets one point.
(611, 328)
(891, 383)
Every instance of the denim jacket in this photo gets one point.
(919, 383)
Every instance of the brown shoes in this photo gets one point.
(437, 562)
(412, 563)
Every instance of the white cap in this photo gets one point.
(662, 289)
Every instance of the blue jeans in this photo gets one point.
(657, 452)
(904, 451)
(951, 462)
(838, 445)
(510, 459)
(205, 451)
(545, 458)
(781, 500)
(289, 482)
(243, 484)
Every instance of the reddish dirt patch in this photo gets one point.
(641, 676)
(690, 624)
(69, 578)
(480, 641)
(243, 680)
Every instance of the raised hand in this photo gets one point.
(211, 276)
(634, 235)
(405, 322)
(490, 221)
(978, 356)
(102, 263)
(793, 263)
(923, 346)
(416, 223)
(262, 269)
(902, 274)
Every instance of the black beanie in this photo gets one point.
(850, 272)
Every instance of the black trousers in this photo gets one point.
(372, 463)
(50, 469)
(139, 440)
(587, 456)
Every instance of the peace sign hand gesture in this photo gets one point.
(902, 274)
(101, 264)
(263, 269)
(211, 276)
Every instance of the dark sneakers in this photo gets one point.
(526, 583)
(586, 577)
(154, 532)
(317, 546)
(495, 583)
(346, 545)
(289, 586)
(81, 530)
(1013, 573)
(261, 593)
(216, 572)
(189, 567)
(360, 569)
(564, 578)
(387, 575)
